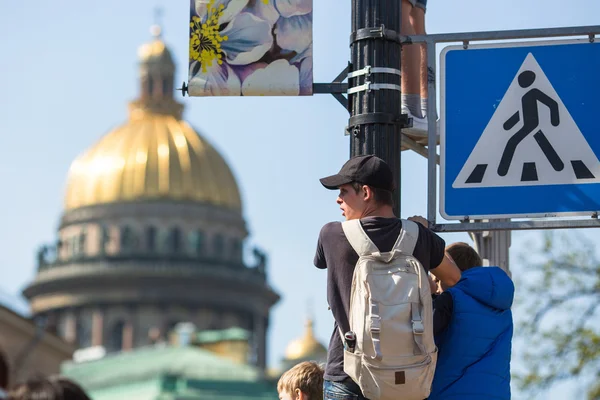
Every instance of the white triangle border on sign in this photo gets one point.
(530, 165)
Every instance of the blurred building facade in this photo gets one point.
(29, 348)
(152, 234)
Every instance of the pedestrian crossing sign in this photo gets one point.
(520, 136)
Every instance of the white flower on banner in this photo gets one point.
(264, 9)
(290, 8)
(230, 8)
(220, 37)
(294, 33)
(221, 81)
(277, 79)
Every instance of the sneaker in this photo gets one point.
(418, 131)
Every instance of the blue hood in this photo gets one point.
(488, 285)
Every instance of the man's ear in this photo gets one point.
(367, 192)
(299, 395)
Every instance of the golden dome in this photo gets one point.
(306, 347)
(156, 156)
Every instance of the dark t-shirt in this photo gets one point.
(335, 253)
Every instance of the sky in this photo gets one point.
(68, 69)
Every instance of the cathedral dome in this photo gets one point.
(155, 155)
(147, 158)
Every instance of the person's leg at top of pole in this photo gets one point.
(417, 17)
(414, 68)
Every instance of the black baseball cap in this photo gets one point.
(367, 170)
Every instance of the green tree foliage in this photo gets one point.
(560, 294)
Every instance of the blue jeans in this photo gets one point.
(345, 390)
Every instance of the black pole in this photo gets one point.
(375, 117)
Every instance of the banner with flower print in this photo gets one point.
(250, 48)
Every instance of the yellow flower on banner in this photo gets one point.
(205, 39)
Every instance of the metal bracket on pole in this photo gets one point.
(341, 75)
(335, 88)
(405, 40)
(375, 33)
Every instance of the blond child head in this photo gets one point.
(304, 381)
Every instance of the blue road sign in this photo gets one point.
(520, 130)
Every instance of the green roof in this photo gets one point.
(221, 335)
(151, 363)
(171, 388)
(219, 390)
(147, 390)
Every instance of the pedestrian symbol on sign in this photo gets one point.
(530, 139)
(531, 121)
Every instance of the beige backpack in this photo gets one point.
(391, 316)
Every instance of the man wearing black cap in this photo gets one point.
(366, 186)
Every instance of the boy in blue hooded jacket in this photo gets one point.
(473, 330)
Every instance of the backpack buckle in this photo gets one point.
(375, 319)
(418, 328)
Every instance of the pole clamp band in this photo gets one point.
(368, 70)
(374, 33)
(368, 86)
(376, 118)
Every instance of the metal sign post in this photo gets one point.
(493, 247)
(374, 83)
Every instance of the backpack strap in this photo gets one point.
(358, 238)
(406, 242)
(407, 239)
(418, 328)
